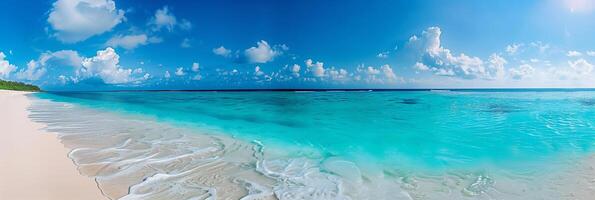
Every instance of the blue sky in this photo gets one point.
(110, 44)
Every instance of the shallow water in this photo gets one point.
(329, 145)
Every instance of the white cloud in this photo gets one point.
(372, 71)
(167, 75)
(573, 54)
(316, 68)
(62, 79)
(197, 77)
(33, 72)
(180, 71)
(263, 52)
(195, 67)
(388, 72)
(222, 51)
(185, 43)
(513, 48)
(522, 72)
(496, 66)
(578, 70)
(581, 66)
(77, 20)
(5, 67)
(163, 19)
(591, 53)
(155, 39)
(420, 67)
(295, 69)
(105, 65)
(130, 41)
(382, 54)
(38, 68)
(257, 71)
(382, 74)
(540, 46)
(340, 74)
(63, 57)
(185, 25)
(443, 62)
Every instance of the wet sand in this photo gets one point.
(33, 163)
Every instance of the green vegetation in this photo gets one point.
(10, 85)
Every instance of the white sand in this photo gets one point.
(33, 163)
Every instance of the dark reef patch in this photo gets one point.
(501, 108)
(587, 102)
(409, 101)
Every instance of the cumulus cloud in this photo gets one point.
(573, 54)
(167, 75)
(372, 71)
(38, 68)
(541, 47)
(295, 70)
(496, 66)
(513, 48)
(591, 53)
(263, 52)
(62, 79)
(185, 43)
(33, 72)
(130, 41)
(180, 71)
(258, 71)
(382, 74)
(581, 66)
(420, 67)
(522, 72)
(185, 25)
(5, 67)
(442, 62)
(77, 20)
(164, 19)
(382, 54)
(105, 65)
(195, 67)
(222, 51)
(338, 74)
(63, 57)
(388, 72)
(317, 68)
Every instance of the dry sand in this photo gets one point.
(33, 163)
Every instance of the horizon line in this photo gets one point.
(333, 90)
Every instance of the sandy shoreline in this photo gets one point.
(33, 163)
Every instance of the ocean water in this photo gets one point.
(471, 144)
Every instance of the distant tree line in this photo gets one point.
(11, 85)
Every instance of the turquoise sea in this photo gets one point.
(458, 143)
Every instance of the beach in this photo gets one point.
(33, 163)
